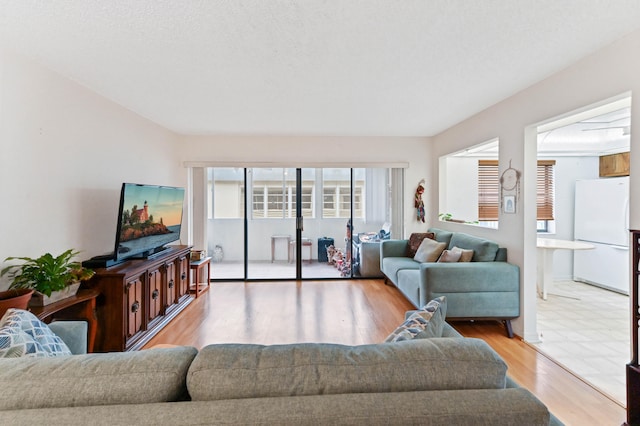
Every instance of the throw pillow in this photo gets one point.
(29, 336)
(421, 321)
(429, 251)
(415, 240)
(15, 343)
(450, 256)
(466, 255)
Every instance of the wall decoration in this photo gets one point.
(418, 203)
(509, 204)
(509, 189)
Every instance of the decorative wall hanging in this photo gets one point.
(418, 203)
(509, 189)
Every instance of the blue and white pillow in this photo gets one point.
(428, 321)
(23, 334)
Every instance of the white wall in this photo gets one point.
(461, 187)
(65, 152)
(608, 73)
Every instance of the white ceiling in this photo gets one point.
(311, 67)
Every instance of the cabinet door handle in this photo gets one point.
(135, 307)
(183, 276)
(155, 294)
(171, 284)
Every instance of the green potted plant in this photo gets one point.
(52, 278)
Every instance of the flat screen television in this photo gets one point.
(149, 217)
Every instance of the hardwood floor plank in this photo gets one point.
(354, 312)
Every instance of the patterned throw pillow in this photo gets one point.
(418, 322)
(15, 343)
(23, 334)
(415, 240)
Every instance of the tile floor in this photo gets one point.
(589, 335)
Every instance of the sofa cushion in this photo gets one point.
(513, 406)
(483, 250)
(450, 256)
(428, 319)
(23, 334)
(229, 371)
(392, 265)
(156, 375)
(429, 251)
(415, 240)
(465, 255)
(441, 235)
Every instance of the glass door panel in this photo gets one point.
(326, 249)
(225, 228)
(371, 219)
(271, 223)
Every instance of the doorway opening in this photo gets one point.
(589, 273)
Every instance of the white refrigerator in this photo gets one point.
(602, 219)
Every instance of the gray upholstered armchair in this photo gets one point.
(73, 333)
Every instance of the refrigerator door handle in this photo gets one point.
(625, 214)
(620, 247)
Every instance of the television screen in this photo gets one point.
(149, 217)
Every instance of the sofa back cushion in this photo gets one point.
(441, 235)
(483, 250)
(156, 375)
(232, 371)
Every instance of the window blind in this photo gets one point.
(489, 190)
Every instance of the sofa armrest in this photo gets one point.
(73, 334)
(393, 248)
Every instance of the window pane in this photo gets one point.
(226, 190)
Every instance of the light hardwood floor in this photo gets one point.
(356, 312)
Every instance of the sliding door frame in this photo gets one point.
(197, 210)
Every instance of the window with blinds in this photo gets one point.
(545, 189)
(489, 190)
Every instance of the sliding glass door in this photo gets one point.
(271, 223)
(287, 223)
(226, 230)
(326, 212)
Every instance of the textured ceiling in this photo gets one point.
(325, 67)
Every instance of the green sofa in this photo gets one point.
(488, 287)
(445, 380)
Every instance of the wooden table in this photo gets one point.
(546, 248)
(82, 306)
(305, 242)
(197, 266)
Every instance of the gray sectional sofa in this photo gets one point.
(446, 380)
(487, 287)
